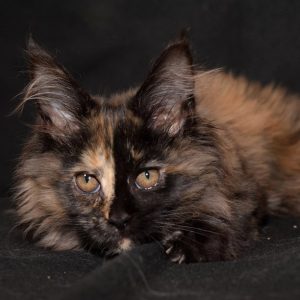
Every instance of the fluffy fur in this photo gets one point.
(228, 154)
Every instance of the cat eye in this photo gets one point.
(147, 179)
(87, 183)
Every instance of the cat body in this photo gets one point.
(194, 159)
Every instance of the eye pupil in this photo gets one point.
(147, 174)
(86, 178)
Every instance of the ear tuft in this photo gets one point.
(61, 103)
(37, 56)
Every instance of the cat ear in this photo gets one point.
(61, 103)
(165, 100)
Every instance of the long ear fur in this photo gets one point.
(61, 103)
(166, 97)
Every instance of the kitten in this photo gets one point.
(194, 159)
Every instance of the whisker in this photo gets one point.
(185, 227)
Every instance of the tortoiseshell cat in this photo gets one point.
(194, 159)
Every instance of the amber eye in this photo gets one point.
(147, 179)
(87, 183)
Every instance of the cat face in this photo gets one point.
(113, 172)
(121, 189)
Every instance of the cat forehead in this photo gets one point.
(116, 132)
(113, 109)
(110, 130)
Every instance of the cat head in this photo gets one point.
(109, 173)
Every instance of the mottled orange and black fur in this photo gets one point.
(227, 151)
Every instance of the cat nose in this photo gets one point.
(119, 220)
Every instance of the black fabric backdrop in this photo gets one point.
(108, 45)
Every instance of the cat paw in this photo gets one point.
(181, 248)
(173, 247)
(188, 248)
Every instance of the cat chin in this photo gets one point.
(125, 244)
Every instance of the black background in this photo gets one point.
(108, 46)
